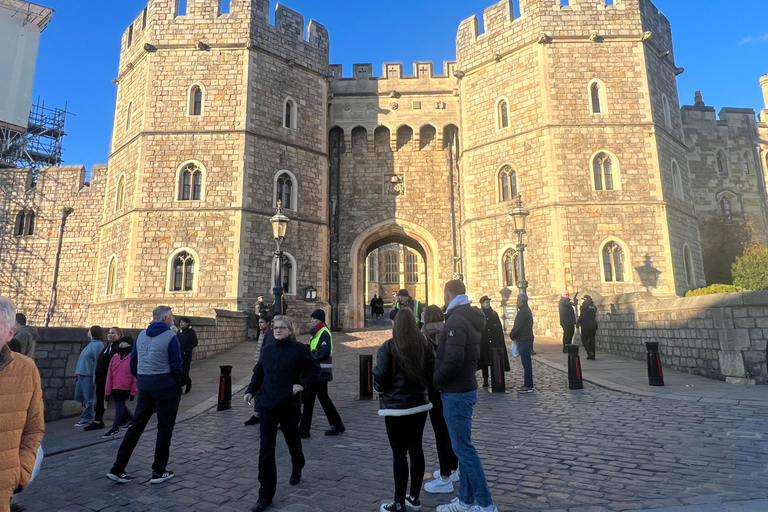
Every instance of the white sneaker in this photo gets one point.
(439, 486)
(455, 506)
(454, 475)
(82, 423)
(478, 508)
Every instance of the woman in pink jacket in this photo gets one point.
(121, 385)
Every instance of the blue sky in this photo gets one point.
(722, 44)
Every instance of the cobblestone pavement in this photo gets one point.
(554, 450)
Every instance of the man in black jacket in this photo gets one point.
(567, 319)
(188, 341)
(458, 352)
(522, 333)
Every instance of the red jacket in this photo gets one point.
(120, 376)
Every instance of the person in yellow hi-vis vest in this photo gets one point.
(404, 300)
(321, 347)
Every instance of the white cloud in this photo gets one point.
(759, 39)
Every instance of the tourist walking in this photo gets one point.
(321, 346)
(266, 336)
(156, 363)
(21, 412)
(588, 324)
(567, 318)
(404, 366)
(85, 387)
(522, 334)
(404, 300)
(26, 335)
(493, 337)
(188, 341)
(100, 376)
(448, 473)
(458, 352)
(121, 385)
(284, 369)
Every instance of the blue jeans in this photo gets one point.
(525, 348)
(85, 392)
(457, 409)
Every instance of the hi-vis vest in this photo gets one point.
(416, 309)
(328, 363)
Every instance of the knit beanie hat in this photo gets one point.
(318, 314)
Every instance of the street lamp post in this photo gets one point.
(519, 216)
(279, 226)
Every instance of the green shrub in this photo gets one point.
(750, 271)
(714, 288)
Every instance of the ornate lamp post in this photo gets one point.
(519, 215)
(279, 227)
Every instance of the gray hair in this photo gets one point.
(285, 320)
(159, 313)
(7, 312)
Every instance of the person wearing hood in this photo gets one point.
(100, 376)
(588, 323)
(85, 388)
(458, 353)
(522, 333)
(121, 384)
(493, 337)
(321, 346)
(157, 365)
(26, 335)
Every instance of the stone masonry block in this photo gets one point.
(732, 364)
(734, 339)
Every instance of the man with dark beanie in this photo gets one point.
(321, 347)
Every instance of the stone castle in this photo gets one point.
(220, 114)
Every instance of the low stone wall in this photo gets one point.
(721, 336)
(228, 329)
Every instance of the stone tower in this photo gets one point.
(575, 107)
(214, 107)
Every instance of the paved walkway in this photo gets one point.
(554, 450)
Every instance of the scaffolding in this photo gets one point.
(32, 13)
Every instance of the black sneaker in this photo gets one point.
(252, 420)
(392, 507)
(412, 503)
(122, 478)
(158, 478)
(96, 425)
(295, 477)
(335, 430)
(111, 434)
(261, 505)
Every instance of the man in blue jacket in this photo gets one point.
(157, 364)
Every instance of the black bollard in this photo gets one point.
(225, 388)
(366, 378)
(574, 368)
(655, 374)
(498, 383)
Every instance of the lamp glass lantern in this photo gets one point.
(279, 223)
(519, 215)
(310, 293)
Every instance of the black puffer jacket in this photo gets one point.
(522, 329)
(458, 350)
(399, 395)
(102, 363)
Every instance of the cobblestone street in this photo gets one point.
(554, 450)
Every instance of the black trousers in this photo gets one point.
(101, 384)
(448, 459)
(405, 435)
(588, 340)
(164, 402)
(186, 362)
(319, 390)
(568, 332)
(288, 419)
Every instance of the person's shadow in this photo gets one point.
(649, 275)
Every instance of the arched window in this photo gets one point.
(381, 139)
(128, 114)
(120, 193)
(411, 268)
(288, 273)
(725, 210)
(373, 267)
(30, 223)
(290, 114)
(404, 136)
(677, 180)
(196, 101)
(613, 263)
(451, 138)
(19, 225)
(507, 183)
(690, 278)
(747, 163)
(285, 190)
(603, 170)
(190, 182)
(182, 272)
(667, 111)
(595, 96)
(111, 275)
(391, 268)
(502, 113)
(427, 136)
(722, 164)
(359, 140)
(509, 264)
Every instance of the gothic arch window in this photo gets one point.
(391, 268)
(286, 188)
(667, 111)
(677, 180)
(196, 100)
(359, 140)
(507, 183)
(373, 267)
(451, 137)
(25, 223)
(30, 228)
(411, 268)
(598, 100)
(288, 273)
(605, 171)
(726, 209)
(690, 277)
(613, 259)
(427, 136)
(722, 164)
(111, 275)
(747, 163)
(502, 113)
(290, 113)
(18, 229)
(191, 181)
(182, 268)
(381, 139)
(404, 136)
(128, 114)
(120, 193)
(510, 265)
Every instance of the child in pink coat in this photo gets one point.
(121, 385)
